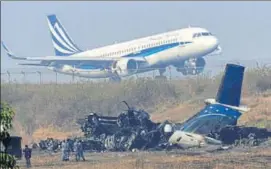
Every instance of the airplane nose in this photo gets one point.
(212, 43)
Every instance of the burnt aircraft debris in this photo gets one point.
(133, 130)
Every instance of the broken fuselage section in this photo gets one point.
(217, 114)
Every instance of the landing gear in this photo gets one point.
(115, 78)
(161, 72)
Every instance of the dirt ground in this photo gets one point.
(237, 158)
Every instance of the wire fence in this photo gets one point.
(45, 76)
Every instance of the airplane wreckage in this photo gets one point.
(133, 130)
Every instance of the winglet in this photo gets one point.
(10, 54)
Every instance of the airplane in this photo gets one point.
(218, 113)
(183, 48)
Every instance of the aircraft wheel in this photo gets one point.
(115, 79)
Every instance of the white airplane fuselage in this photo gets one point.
(159, 51)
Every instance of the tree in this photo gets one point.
(6, 117)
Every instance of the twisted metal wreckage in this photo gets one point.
(215, 124)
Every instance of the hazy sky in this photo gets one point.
(243, 28)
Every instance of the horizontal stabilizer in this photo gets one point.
(230, 89)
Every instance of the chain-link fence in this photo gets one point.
(44, 76)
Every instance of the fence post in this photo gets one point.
(39, 75)
(169, 68)
(8, 73)
(23, 73)
(72, 76)
(56, 77)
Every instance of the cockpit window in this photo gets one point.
(206, 34)
(195, 35)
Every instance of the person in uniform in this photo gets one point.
(75, 149)
(27, 154)
(65, 150)
(80, 150)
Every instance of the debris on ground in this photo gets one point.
(133, 130)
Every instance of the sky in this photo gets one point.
(243, 28)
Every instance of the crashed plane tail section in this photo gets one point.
(217, 114)
(224, 110)
(229, 92)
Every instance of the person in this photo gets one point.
(27, 154)
(80, 150)
(75, 149)
(51, 146)
(65, 150)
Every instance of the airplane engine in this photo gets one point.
(125, 67)
(191, 67)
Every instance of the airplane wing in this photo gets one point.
(10, 54)
(70, 58)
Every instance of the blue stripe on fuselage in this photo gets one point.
(156, 49)
(210, 118)
(87, 67)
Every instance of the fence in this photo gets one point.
(44, 76)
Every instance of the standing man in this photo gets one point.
(27, 154)
(76, 150)
(65, 150)
(80, 150)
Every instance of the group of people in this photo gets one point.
(67, 149)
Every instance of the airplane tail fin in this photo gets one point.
(63, 44)
(230, 89)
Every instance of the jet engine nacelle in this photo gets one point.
(192, 66)
(125, 66)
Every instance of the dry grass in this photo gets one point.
(53, 132)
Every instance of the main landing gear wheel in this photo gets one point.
(161, 72)
(115, 79)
